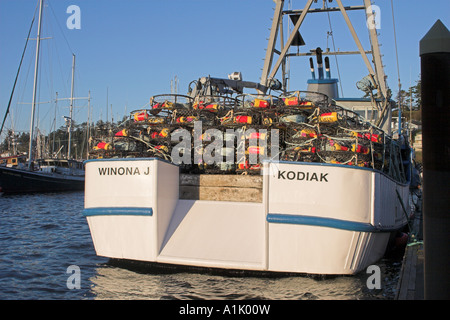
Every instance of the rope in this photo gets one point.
(334, 49)
(403, 207)
(67, 42)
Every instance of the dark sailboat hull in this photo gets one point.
(23, 181)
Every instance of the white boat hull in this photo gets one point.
(313, 218)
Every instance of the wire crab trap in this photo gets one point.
(253, 145)
(214, 103)
(142, 119)
(211, 152)
(167, 102)
(256, 102)
(305, 151)
(303, 100)
(300, 132)
(211, 108)
(239, 118)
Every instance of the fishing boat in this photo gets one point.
(50, 175)
(272, 181)
(41, 175)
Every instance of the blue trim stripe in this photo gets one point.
(324, 222)
(117, 211)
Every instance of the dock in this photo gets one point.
(411, 280)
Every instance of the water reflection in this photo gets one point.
(112, 282)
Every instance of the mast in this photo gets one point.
(71, 108)
(374, 65)
(33, 105)
(267, 74)
(88, 125)
(54, 122)
(378, 64)
(277, 18)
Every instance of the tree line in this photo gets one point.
(410, 100)
(55, 144)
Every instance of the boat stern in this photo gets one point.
(121, 205)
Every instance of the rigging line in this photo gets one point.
(49, 77)
(18, 71)
(57, 22)
(23, 87)
(288, 64)
(334, 49)
(66, 80)
(396, 51)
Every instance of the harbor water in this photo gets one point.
(46, 252)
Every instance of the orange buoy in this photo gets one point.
(161, 134)
(305, 103)
(162, 148)
(140, 116)
(308, 133)
(198, 105)
(243, 165)
(328, 117)
(360, 149)
(256, 150)
(186, 119)
(369, 136)
(261, 103)
(256, 135)
(293, 101)
(339, 147)
(243, 119)
(212, 106)
(122, 133)
(104, 146)
(267, 121)
(164, 132)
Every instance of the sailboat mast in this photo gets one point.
(71, 108)
(33, 105)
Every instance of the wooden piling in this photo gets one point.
(435, 76)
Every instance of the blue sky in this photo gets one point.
(133, 49)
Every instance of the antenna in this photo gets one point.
(174, 85)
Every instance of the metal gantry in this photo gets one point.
(376, 75)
